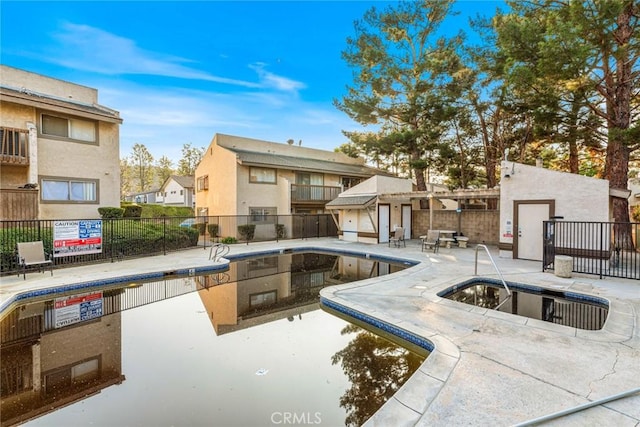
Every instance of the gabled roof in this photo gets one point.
(183, 181)
(254, 152)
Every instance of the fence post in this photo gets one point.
(111, 236)
(164, 235)
(601, 247)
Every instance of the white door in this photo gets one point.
(350, 226)
(406, 221)
(384, 223)
(530, 242)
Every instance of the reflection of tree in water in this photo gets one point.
(377, 368)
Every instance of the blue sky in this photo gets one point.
(179, 72)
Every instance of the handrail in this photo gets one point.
(220, 250)
(504, 283)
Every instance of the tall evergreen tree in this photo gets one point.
(402, 78)
(142, 164)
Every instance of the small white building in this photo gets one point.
(530, 195)
(365, 215)
(178, 191)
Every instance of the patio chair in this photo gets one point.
(431, 240)
(31, 254)
(398, 237)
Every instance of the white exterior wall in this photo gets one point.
(576, 197)
(174, 198)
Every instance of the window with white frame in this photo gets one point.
(69, 190)
(262, 175)
(67, 127)
(263, 214)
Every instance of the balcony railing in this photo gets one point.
(313, 193)
(15, 146)
(18, 204)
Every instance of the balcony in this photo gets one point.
(15, 146)
(313, 193)
(18, 204)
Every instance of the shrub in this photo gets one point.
(280, 231)
(213, 230)
(635, 213)
(132, 211)
(110, 212)
(200, 226)
(247, 231)
(228, 240)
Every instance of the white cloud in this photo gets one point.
(165, 118)
(269, 79)
(91, 49)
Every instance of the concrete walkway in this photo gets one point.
(488, 367)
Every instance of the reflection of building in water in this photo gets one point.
(44, 368)
(269, 288)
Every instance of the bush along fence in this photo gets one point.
(86, 241)
(602, 248)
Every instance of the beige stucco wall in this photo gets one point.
(69, 346)
(34, 82)
(69, 159)
(260, 195)
(59, 157)
(221, 166)
(576, 197)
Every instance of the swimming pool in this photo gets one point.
(245, 345)
(563, 308)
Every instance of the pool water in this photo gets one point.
(563, 308)
(218, 349)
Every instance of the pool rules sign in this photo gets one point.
(77, 237)
(77, 308)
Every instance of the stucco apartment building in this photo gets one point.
(243, 176)
(60, 153)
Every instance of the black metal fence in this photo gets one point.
(123, 238)
(602, 248)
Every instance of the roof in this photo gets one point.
(25, 96)
(184, 181)
(255, 152)
(352, 202)
(299, 163)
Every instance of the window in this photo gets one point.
(263, 215)
(203, 183)
(309, 178)
(71, 128)
(262, 175)
(69, 190)
(263, 298)
(348, 182)
(182, 192)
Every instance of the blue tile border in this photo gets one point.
(84, 286)
(386, 327)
